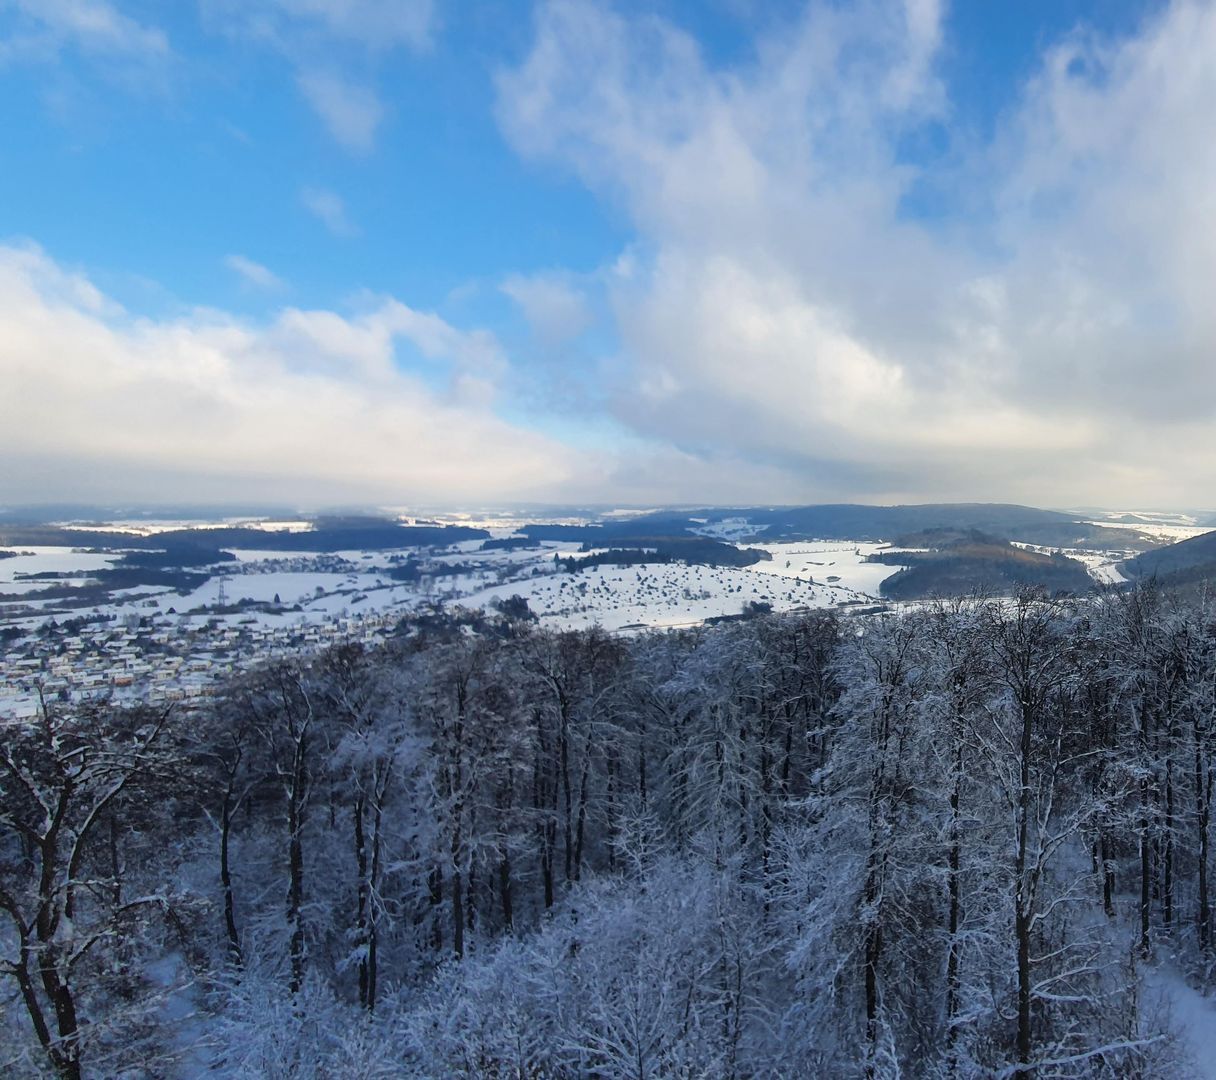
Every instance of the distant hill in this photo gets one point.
(853, 521)
(359, 535)
(92, 514)
(625, 532)
(963, 562)
(334, 534)
(849, 521)
(1182, 563)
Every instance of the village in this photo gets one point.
(157, 659)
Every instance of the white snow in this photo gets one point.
(43, 560)
(823, 560)
(141, 527)
(731, 528)
(1163, 532)
(1192, 1014)
(674, 594)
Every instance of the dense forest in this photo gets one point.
(853, 521)
(1188, 563)
(847, 521)
(946, 843)
(954, 563)
(641, 552)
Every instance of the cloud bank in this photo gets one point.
(311, 406)
(1050, 337)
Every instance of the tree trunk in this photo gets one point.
(955, 858)
(873, 952)
(361, 897)
(580, 829)
(1146, 870)
(567, 791)
(611, 825)
(545, 827)
(1203, 800)
(295, 858)
(1022, 930)
(234, 939)
(32, 1005)
(1022, 899)
(435, 886)
(65, 1052)
(457, 913)
(1167, 855)
(115, 867)
(373, 919)
(642, 765)
(1108, 873)
(504, 892)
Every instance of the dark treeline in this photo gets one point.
(100, 583)
(175, 557)
(941, 844)
(326, 536)
(693, 551)
(974, 562)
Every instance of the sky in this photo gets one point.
(428, 253)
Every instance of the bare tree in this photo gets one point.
(61, 775)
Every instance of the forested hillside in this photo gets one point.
(1186, 562)
(941, 844)
(849, 521)
(327, 535)
(958, 564)
(860, 522)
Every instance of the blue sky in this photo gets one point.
(162, 174)
(605, 247)
(165, 177)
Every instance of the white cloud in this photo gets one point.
(330, 209)
(107, 43)
(309, 407)
(254, 273)
(351, 113)
(554, 306)
(94, 26)
(778, 305)
(373, 24)
(334, 46)
(297, 26)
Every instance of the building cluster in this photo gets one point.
(308, 563)
(158, 659)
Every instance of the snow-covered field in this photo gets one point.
(1161, 532)
(42, 560)
(141, 527)
(352, 583)
(358, 583)
(1101, 565)
(673, 594)
(827, 561)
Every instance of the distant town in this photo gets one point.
(157, 658)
